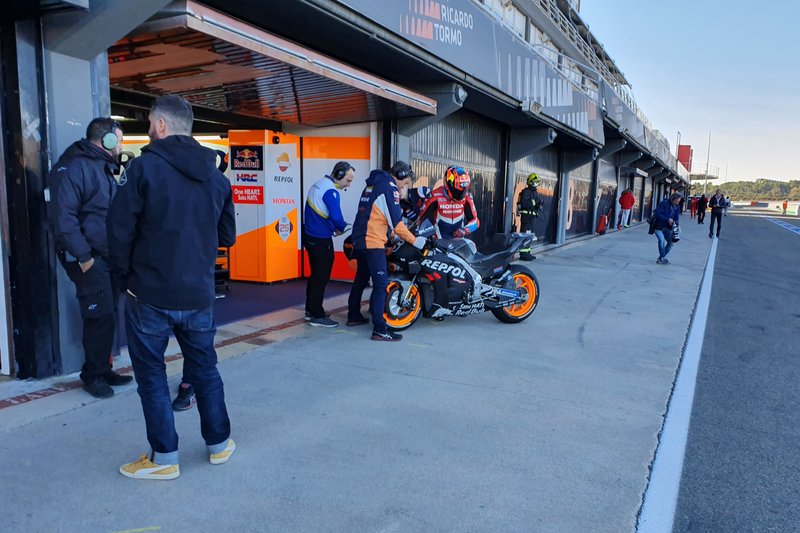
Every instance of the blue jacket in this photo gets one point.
(379, 214)
(323, 212)
(666, 211)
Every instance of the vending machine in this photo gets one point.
(264, 169)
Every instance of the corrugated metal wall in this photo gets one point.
(647, 204)
(607, 190)
(638, 184)
(475, 143)
(578, 209)
(545, 164)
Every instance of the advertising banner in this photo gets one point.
(465, 35)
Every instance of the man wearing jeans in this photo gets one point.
(164, 228)
(667, 216)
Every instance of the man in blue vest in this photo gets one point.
(322, 220)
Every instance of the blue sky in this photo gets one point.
(725, 66)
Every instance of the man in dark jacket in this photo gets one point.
(164, 229)
(717, 203)
(668, 214)
(82, 184)
(702, 205)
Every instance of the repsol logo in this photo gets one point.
(283, 179)
(444, 268)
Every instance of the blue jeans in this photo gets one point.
(664, 242)
(371, 264)
(148, 328)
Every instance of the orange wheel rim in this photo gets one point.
(528, 287)
(408, 315)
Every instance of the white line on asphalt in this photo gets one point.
(661, 495)
(785, 225)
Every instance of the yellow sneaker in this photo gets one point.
(144, 468)
(224, 455)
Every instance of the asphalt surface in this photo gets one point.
(742, 466)
(466, 425)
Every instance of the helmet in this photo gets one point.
(533, 179)
(456, 182)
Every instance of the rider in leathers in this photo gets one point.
(453, 212)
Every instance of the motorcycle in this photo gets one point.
(448, 277)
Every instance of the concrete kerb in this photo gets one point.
(656, 515)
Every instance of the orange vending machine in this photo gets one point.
(264, 169)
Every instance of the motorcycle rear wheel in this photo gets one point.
(526, 283)
(398, 317)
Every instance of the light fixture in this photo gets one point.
(531, 107)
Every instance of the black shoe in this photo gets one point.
(526, 257)
(98, 388)
(351, 322)
(710, 236)
(185, 398)
(389, 336)
(116, 380)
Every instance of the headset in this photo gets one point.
(340, 169)
(401, 170)
(109, 140)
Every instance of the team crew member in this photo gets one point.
(452, 206)
(412, 200)
(378, 217)
(322, 220)
(83, 186)
(529, 203)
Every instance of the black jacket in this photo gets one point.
(529, 202)
(167, 221)
(82, 186)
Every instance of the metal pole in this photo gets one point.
(708, 158)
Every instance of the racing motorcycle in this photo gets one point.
(448, 277)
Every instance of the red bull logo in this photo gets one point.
(247, 158)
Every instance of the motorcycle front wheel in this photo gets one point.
(528, 285)
(397, 316)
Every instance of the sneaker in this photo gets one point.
(144, 468)
(98, 388)
(389, 336)
(224, 455)
(526, 257)
(308, 316)
(186, 398)
(116, 380)
(360, 321)
(323, 322)
(665, 261)
(659, 261)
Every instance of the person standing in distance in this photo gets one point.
(379, 217)
(165, 226)
(529, 203)
(322, 220)
(717, 205)
(83, 186)
(626, 203)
